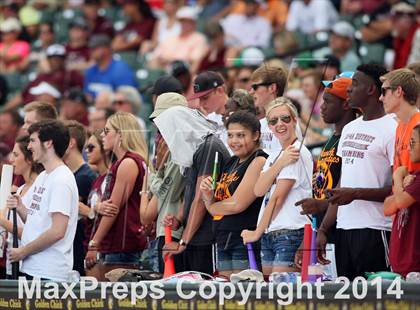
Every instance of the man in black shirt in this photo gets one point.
(84, 178)
(193, 145)
(334, 110)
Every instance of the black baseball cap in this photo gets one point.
(166, 84)
(205, 82)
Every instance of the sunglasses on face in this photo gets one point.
(119, 102)
(106, 131)
(284, 118)
(385, 89)
(244, 79)
(90, 148)
(256, 86)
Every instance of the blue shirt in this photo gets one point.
(117, 74)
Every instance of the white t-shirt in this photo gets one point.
(269, 143)
(26, 199)
(367, 152)
(257, 29)
(221, 132)
(53, 192)
(315, 16)
(301, 171)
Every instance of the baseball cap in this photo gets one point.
(166, 84)
(56, 50)
(99, 40)
(10, 24)
(339, 86)
(166, 101)
(205, 82)
(79, 23)
(187, 12)
(403, 8)
(178, 67)
(343, 29)
(45, 88)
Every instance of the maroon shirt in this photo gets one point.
(103, 26)
(62, 80)
(77, 54)
(124, 235)
(404, 250)
(143, 29)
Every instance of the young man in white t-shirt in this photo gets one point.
(366, 149)
(268, 83)
(51, 216)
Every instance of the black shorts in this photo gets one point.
(199, 258)
(361, 250)
(178, 259)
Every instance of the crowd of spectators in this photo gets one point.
(107, 63)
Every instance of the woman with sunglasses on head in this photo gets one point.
(233, 204)
(117, 239)
(98, 160)
(23, 165)
(280, 224)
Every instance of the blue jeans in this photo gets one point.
(236, 257)
(121, 258)
(278, 248)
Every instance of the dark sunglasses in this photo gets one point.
(385, 89)
(284, 118)
(90, 148)
(106, 131)
(244, 80)
(256, 86)
(119, 102)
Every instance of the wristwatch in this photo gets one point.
(182, 243)
(92, 244)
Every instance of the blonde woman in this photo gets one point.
(117, 238)
(280, 224)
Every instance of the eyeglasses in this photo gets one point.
(244, 79)
(284, 118)
(90, 147)
(106, 130)
(385, 89)
(256, 86)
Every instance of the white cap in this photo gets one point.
(402, 7)
(45, 88)
(10, 24)
(187, 12)
(343, 29)
(252, 56)
(56, 50)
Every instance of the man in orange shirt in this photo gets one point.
(400, 90)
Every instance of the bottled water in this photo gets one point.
(73, 276)
(284, 277)
(413, 277)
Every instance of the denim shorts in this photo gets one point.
(121, 258)
(278, 248)
(236, 257)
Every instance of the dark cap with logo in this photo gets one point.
(205, 82)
